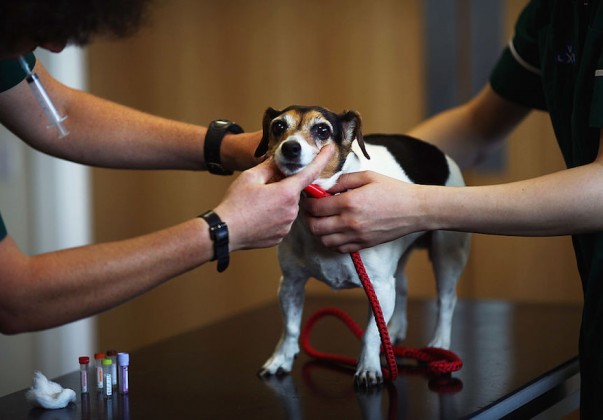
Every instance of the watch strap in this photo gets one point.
(218, 232)
(216, 131)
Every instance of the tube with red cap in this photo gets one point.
(84, 361)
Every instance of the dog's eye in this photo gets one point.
(322, 131)
(278, 127)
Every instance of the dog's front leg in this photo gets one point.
(291, 296)
(368, 371)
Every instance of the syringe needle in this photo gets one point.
(54, 118)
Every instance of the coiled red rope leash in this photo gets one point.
(438, 361)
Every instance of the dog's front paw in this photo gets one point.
(368, 372)
(369, 378)
(278, 364)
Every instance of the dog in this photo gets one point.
(293, 137)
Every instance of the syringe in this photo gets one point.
(54, 118)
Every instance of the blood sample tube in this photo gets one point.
(84, 361)
(98, 359)
(112, 354)
(108, 387)
(123, 360)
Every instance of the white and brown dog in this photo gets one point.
(294, 137)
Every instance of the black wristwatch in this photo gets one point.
(216, 131)
(218, 232)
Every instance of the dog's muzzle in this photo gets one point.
(291, 150)
(290, 157)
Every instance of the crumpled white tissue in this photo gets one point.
(48, 394)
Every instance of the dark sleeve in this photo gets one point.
(11, 72)
(517, 75)
(596, 108)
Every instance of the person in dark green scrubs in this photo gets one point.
(553, 63)
(47, 290)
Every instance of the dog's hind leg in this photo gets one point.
(449, 252)
(398, 323)
(368, 372)
(291, 297)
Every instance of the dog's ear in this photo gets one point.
(351, 125)
(269, 115)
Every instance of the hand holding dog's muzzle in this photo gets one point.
(260, 207)
(311, 172)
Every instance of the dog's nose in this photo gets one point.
(291, 149)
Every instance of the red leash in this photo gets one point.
(439, 361)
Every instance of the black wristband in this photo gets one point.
(216, 131)
(218, 232)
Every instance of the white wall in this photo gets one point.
(46, 206)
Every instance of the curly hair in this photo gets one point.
(69, 21)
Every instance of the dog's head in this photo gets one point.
(295, 135)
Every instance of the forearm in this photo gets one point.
(563, 203)
(453, 133)
(122, 137)
(103, 133)
(54, 288)
(110, 135)
(469, 132)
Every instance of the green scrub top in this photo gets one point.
(555, 63)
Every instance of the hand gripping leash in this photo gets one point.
(439, 361)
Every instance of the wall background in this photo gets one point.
(232, 59)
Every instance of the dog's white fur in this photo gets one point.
(302, 256)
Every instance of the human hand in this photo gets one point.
(371, 209)
(260, 206)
